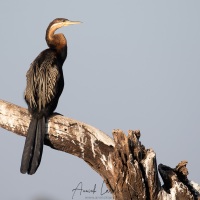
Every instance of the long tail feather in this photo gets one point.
(33, 147)
(29, 146)
(38, 149)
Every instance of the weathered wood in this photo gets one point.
(128, 169)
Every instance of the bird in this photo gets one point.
(44, 85)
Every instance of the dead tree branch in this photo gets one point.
(128, 169)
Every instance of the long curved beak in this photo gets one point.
(67, 23)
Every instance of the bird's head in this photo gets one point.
(60, 22)
(57, 41)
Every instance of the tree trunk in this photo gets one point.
(128, 169)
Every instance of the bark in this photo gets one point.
(127, 167)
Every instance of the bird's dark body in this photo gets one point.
(45, 84)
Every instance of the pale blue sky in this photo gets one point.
(131, 65)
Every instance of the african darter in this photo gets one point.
(44, 86)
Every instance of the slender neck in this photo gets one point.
(56, 41)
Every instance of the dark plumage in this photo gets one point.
(45, 84)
